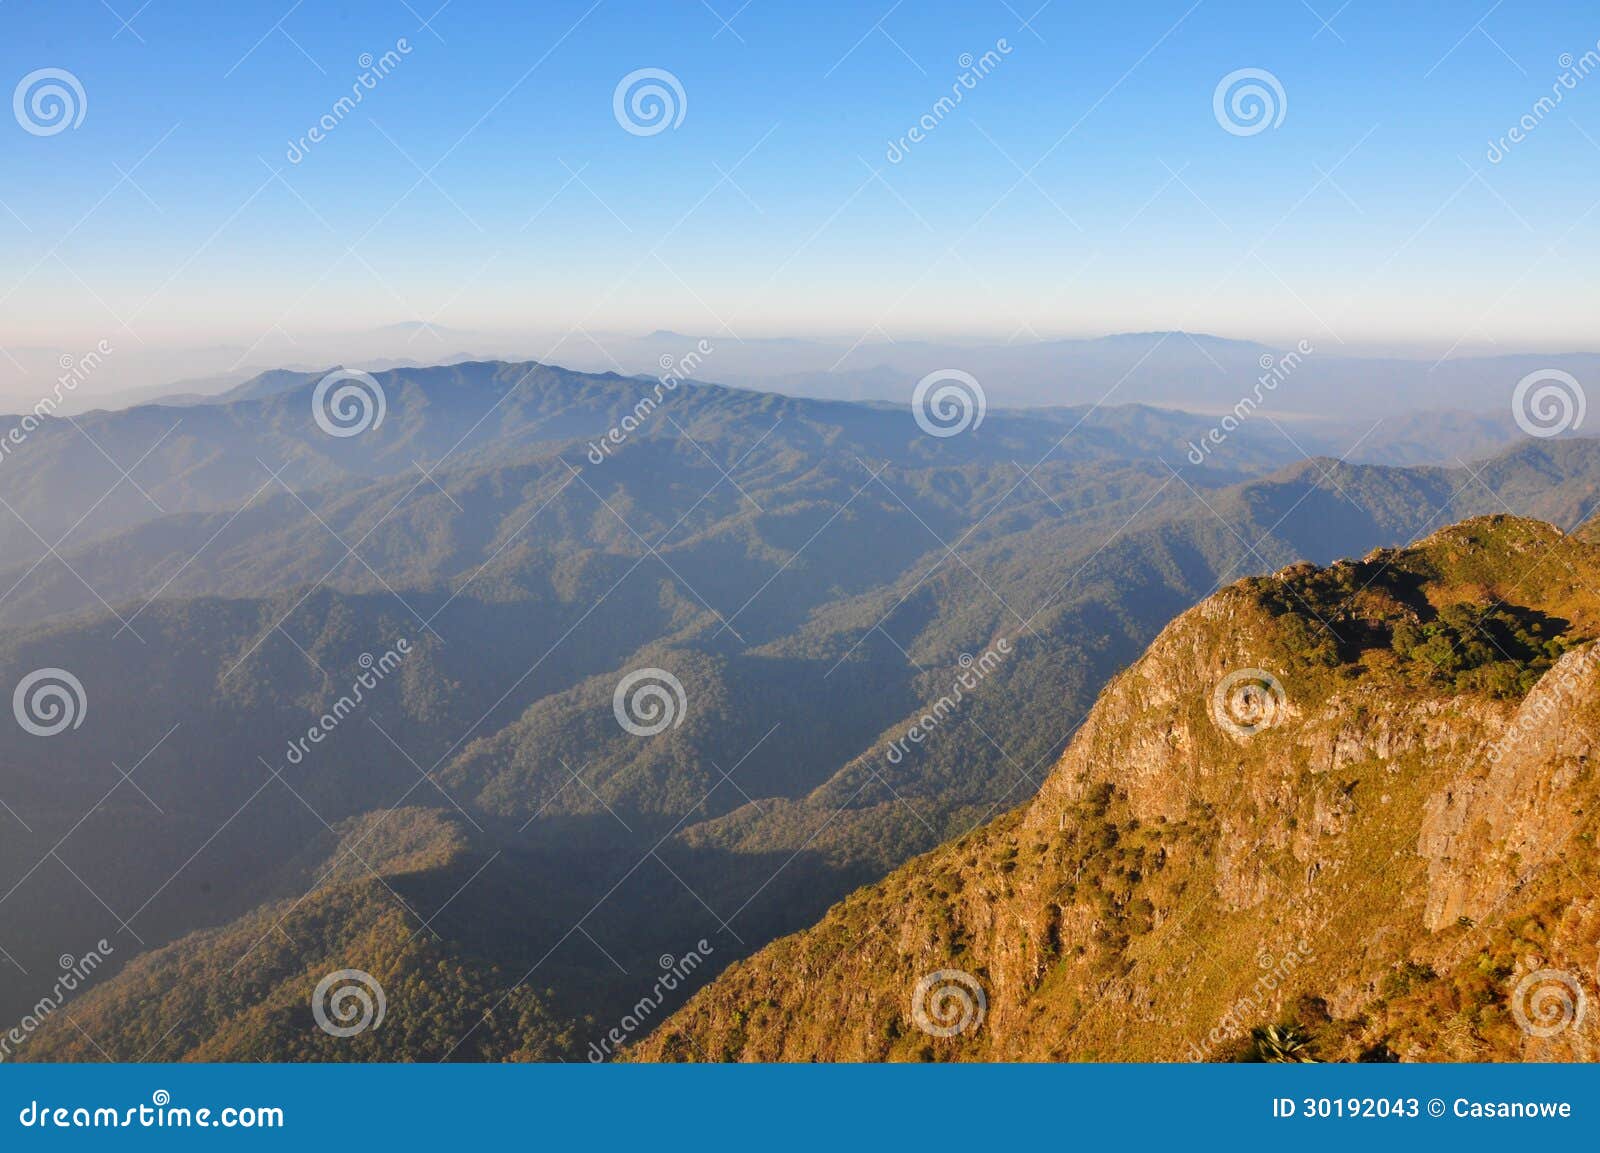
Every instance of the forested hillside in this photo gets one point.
(817, 579)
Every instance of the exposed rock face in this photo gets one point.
(1326, 801)
(1487, 837)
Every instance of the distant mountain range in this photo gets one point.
(1192, 371)
(480, 832)
(101, 473)
(1327, 384)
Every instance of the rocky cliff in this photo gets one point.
(1341, 813)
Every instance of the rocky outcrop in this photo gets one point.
(1299, 808)
(1484, 836)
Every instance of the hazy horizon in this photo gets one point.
(264, 187)
(819, 364)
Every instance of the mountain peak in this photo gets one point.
(1382, 751)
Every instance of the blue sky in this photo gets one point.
(1084, 185)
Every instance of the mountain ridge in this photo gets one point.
(1146, 839)
(527, 604)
